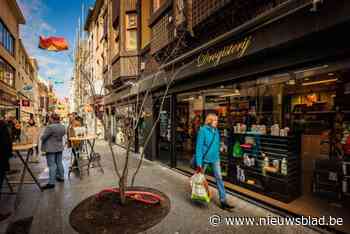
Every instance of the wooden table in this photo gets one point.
(17, 149)
(92, 156)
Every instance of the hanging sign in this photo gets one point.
(28, 88)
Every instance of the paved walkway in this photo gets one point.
(51, 209)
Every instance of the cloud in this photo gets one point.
(57, 65)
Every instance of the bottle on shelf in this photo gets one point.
(237, 151)
(345, 186)
(238, 173)
(266, 163)
(284, 169)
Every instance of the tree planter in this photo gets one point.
(104, 213)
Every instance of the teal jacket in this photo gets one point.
(204, 138)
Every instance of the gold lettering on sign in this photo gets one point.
(236, 50)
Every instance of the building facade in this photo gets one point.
(275, 72)
(279, 90)
(10, 19)
(26, 84)
(43, 104)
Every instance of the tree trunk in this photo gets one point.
(122, 190)
(124, 178)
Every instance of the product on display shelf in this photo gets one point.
(250, 162)
(237, 150)
(266, 163)
(249, 140)
(258, 129)
(276, 164)
(275, 130)
(238, 173)
(242, 176)
(240, 128)
(223, 147)
(284, 167)
(333, 176)
(252, 182)
(225, 133)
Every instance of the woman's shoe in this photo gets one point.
(48, 186)
(226, 206)
(59, 179)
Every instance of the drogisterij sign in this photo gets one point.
(235, 50)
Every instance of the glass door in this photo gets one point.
(164, 131)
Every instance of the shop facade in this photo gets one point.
(8, 103)
(280, 91)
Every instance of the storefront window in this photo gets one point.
(278, 135)
(123, 125)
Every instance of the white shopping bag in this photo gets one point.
(200, 188)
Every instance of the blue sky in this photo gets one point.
(52, 18)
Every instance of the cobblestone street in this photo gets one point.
(51, 209)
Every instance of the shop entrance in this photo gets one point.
(285, 138)
(164, 146)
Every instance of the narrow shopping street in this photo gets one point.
(51, 209)
(239, 108)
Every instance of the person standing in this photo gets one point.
(5, 154)
(52, 145)
(33, 134)
(208, 154)
(75, 145)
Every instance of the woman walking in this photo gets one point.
(52, 145)
(208, 153)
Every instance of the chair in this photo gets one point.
(326, 180)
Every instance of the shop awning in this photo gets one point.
(7, 107)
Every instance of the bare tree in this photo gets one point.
(132, 118)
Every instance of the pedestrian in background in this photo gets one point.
(75, 145)
(5, 154)
(208, 154)
(33, 132)
(52, 145)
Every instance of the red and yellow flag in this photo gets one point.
(53, 43)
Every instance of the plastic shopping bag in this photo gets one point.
(200, 188)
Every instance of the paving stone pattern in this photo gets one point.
(51, 209)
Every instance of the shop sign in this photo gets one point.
(25, 103)
(235, 50)
(4, 97)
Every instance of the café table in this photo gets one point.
(17, 149)
(92, 156)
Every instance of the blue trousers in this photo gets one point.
(218, 178)
(54, 162)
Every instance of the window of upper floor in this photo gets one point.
(7, 73)
(6, 39)
(131, 31)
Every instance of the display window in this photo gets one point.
(285, 138)
(123, 123)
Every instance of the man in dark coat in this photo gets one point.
(5, 154)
